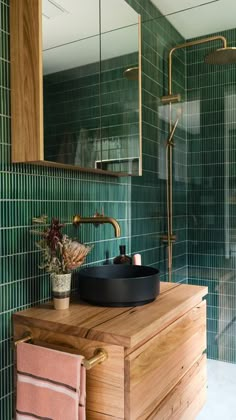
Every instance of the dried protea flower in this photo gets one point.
(60, 254)
(53, 235)
(74, 253)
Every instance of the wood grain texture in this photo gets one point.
(156, 367)
(154, 352)
(139, 323)
(105, 382)
(187, 398)
(92, 415)
(79, 318)
(26, 80)
(127, 327)
(195, 408)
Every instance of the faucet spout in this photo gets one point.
(98, 219)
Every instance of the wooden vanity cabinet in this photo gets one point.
(155, 369)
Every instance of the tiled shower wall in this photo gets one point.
(211, 136)
(138, 203)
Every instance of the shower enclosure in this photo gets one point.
(196, 157)
(224, 55)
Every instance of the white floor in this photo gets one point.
(221, 400)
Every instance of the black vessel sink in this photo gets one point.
(118, 285)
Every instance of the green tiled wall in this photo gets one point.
(138, 203)
(211, 192)
(148, 193)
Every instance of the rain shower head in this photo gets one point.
(226, 55)
(131, 73)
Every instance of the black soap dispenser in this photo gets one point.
(122, 258)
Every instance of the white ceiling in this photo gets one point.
(71, 21)
(87, 51)
(205, 18)
(65, 21)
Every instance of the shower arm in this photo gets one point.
(191, 44)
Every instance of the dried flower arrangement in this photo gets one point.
(60, 254)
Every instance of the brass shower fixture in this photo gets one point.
(132, 73)
(171, 99)
(172, 132)
(224, 55)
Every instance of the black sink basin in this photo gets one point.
(119, 285)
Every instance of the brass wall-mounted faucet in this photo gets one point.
(98, 219)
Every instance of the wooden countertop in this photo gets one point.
(127, 327)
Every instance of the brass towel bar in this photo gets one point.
(99, 356)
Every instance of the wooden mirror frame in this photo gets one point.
(27, 88)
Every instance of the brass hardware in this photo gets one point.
(99, 356)
(171, 99)
(226, 55)
(165, 238)
(132, 73)
(77, 220)
(169, 141)
(24, 339)
(170, 238)
(190, 44)
(97, 219)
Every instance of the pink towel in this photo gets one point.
(50, 384)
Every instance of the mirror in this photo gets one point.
(92, 85)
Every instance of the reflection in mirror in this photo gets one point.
(120, 101)
(91, 110)
(71, 107)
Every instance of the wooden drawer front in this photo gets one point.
(92, 415)
(105, 382)
(155, 368)
(187, 398)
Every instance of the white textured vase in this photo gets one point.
(61, 286)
